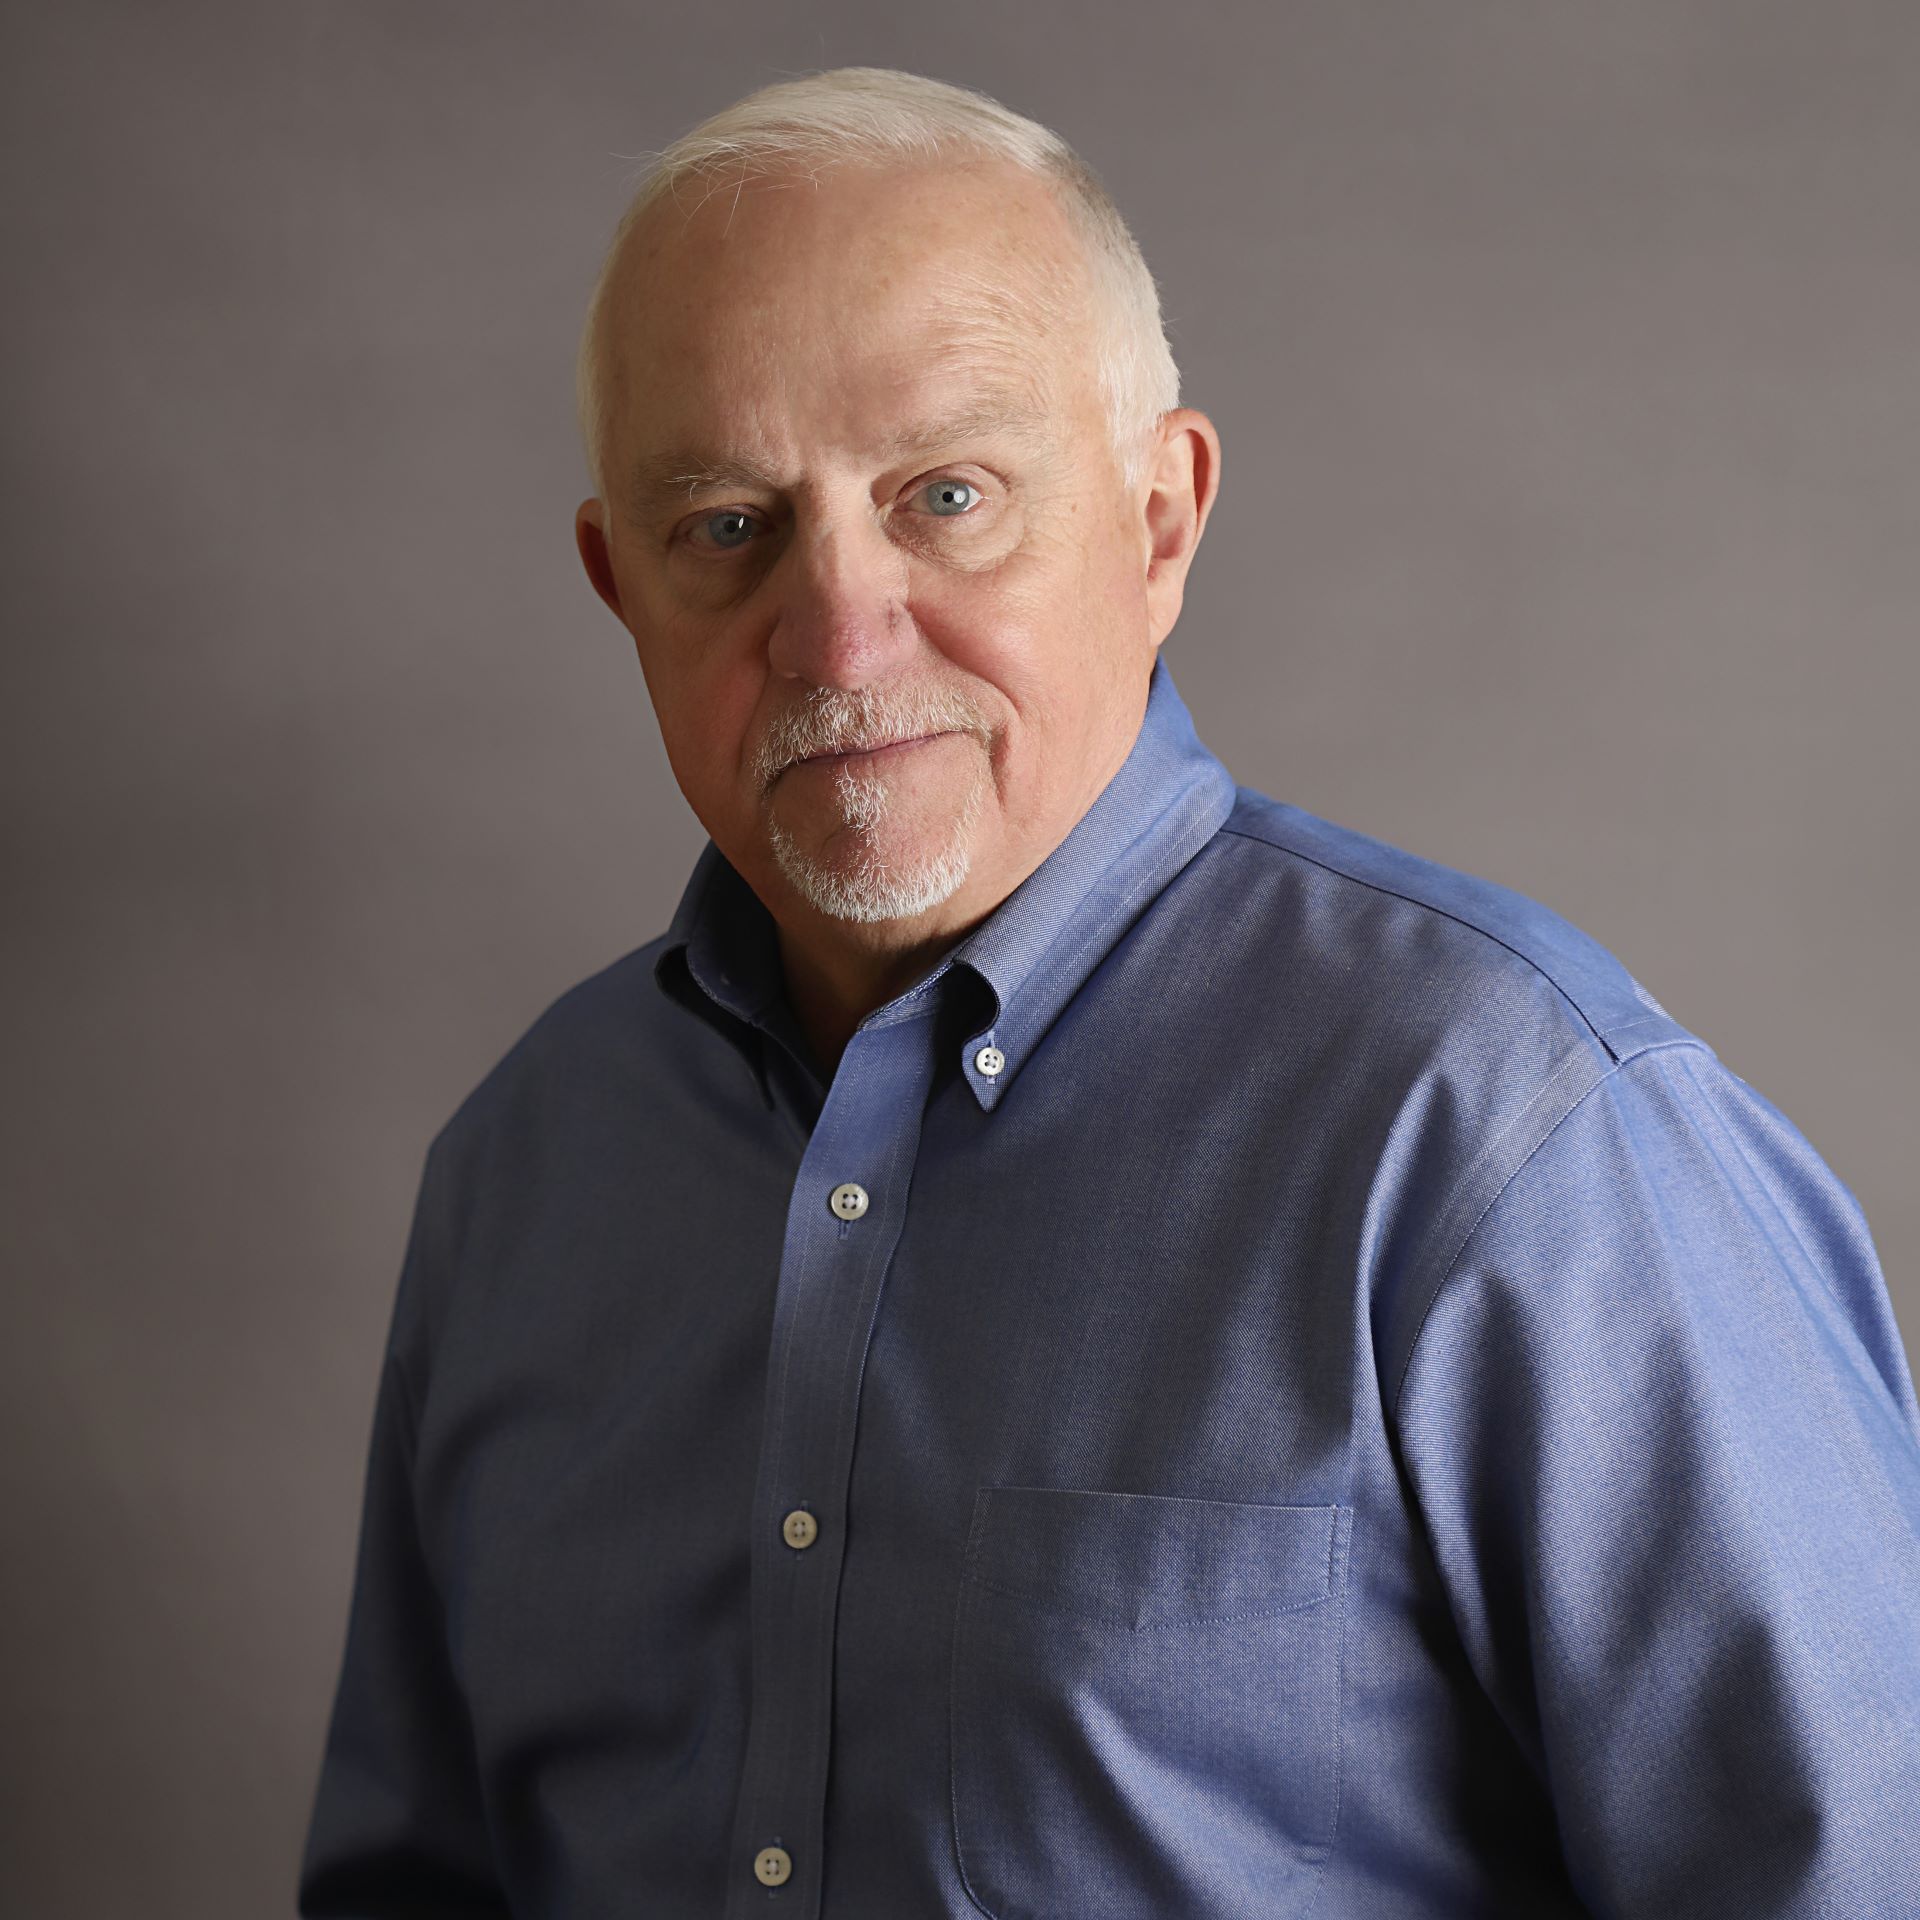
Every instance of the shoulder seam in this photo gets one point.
(1500, 1192)
(1472, 926)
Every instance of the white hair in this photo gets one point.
(877, 115)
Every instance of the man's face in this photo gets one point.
(860, 491)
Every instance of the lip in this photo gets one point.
(871, 756)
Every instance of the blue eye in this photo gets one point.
(729, 529)
(950, 497)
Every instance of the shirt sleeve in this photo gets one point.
(1664, 1438)
(398, 1827)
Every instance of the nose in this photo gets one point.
(841, 618)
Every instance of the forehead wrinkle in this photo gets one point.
(987, 416)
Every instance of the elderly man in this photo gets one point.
(1075, 1340)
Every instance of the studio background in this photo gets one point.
(1565, 361)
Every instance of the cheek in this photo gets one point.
(1045, 618)
(706, 689)
(1000, 642)
(1000, 620)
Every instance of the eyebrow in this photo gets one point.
(678, 474)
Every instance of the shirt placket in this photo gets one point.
(844, 1219)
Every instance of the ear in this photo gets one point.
(590, 536)
(1181, 480)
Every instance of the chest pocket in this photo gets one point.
(1145, 1706)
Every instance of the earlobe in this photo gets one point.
(590, 536)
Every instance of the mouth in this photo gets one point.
(883, 754)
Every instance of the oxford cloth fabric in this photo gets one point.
(1361, 1414)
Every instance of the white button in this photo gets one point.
(989, 1060)
(799, 1527)
(848, 1200)
(771, 1866)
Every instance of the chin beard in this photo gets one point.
(862, 885)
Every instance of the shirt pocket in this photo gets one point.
(1145, 1704)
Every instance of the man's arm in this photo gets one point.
(398, 1830)
(1665, 1440)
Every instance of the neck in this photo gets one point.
(832, 987)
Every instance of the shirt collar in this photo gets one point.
(1034, 951)
(720, 960)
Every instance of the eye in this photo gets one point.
(726, 530)
(949, 498)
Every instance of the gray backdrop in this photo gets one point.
(1565, 358)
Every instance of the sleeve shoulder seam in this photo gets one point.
(1601, 1079)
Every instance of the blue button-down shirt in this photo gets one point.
(1333, 1403)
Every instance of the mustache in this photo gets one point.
(855, 720)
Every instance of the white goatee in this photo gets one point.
(865, 886)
